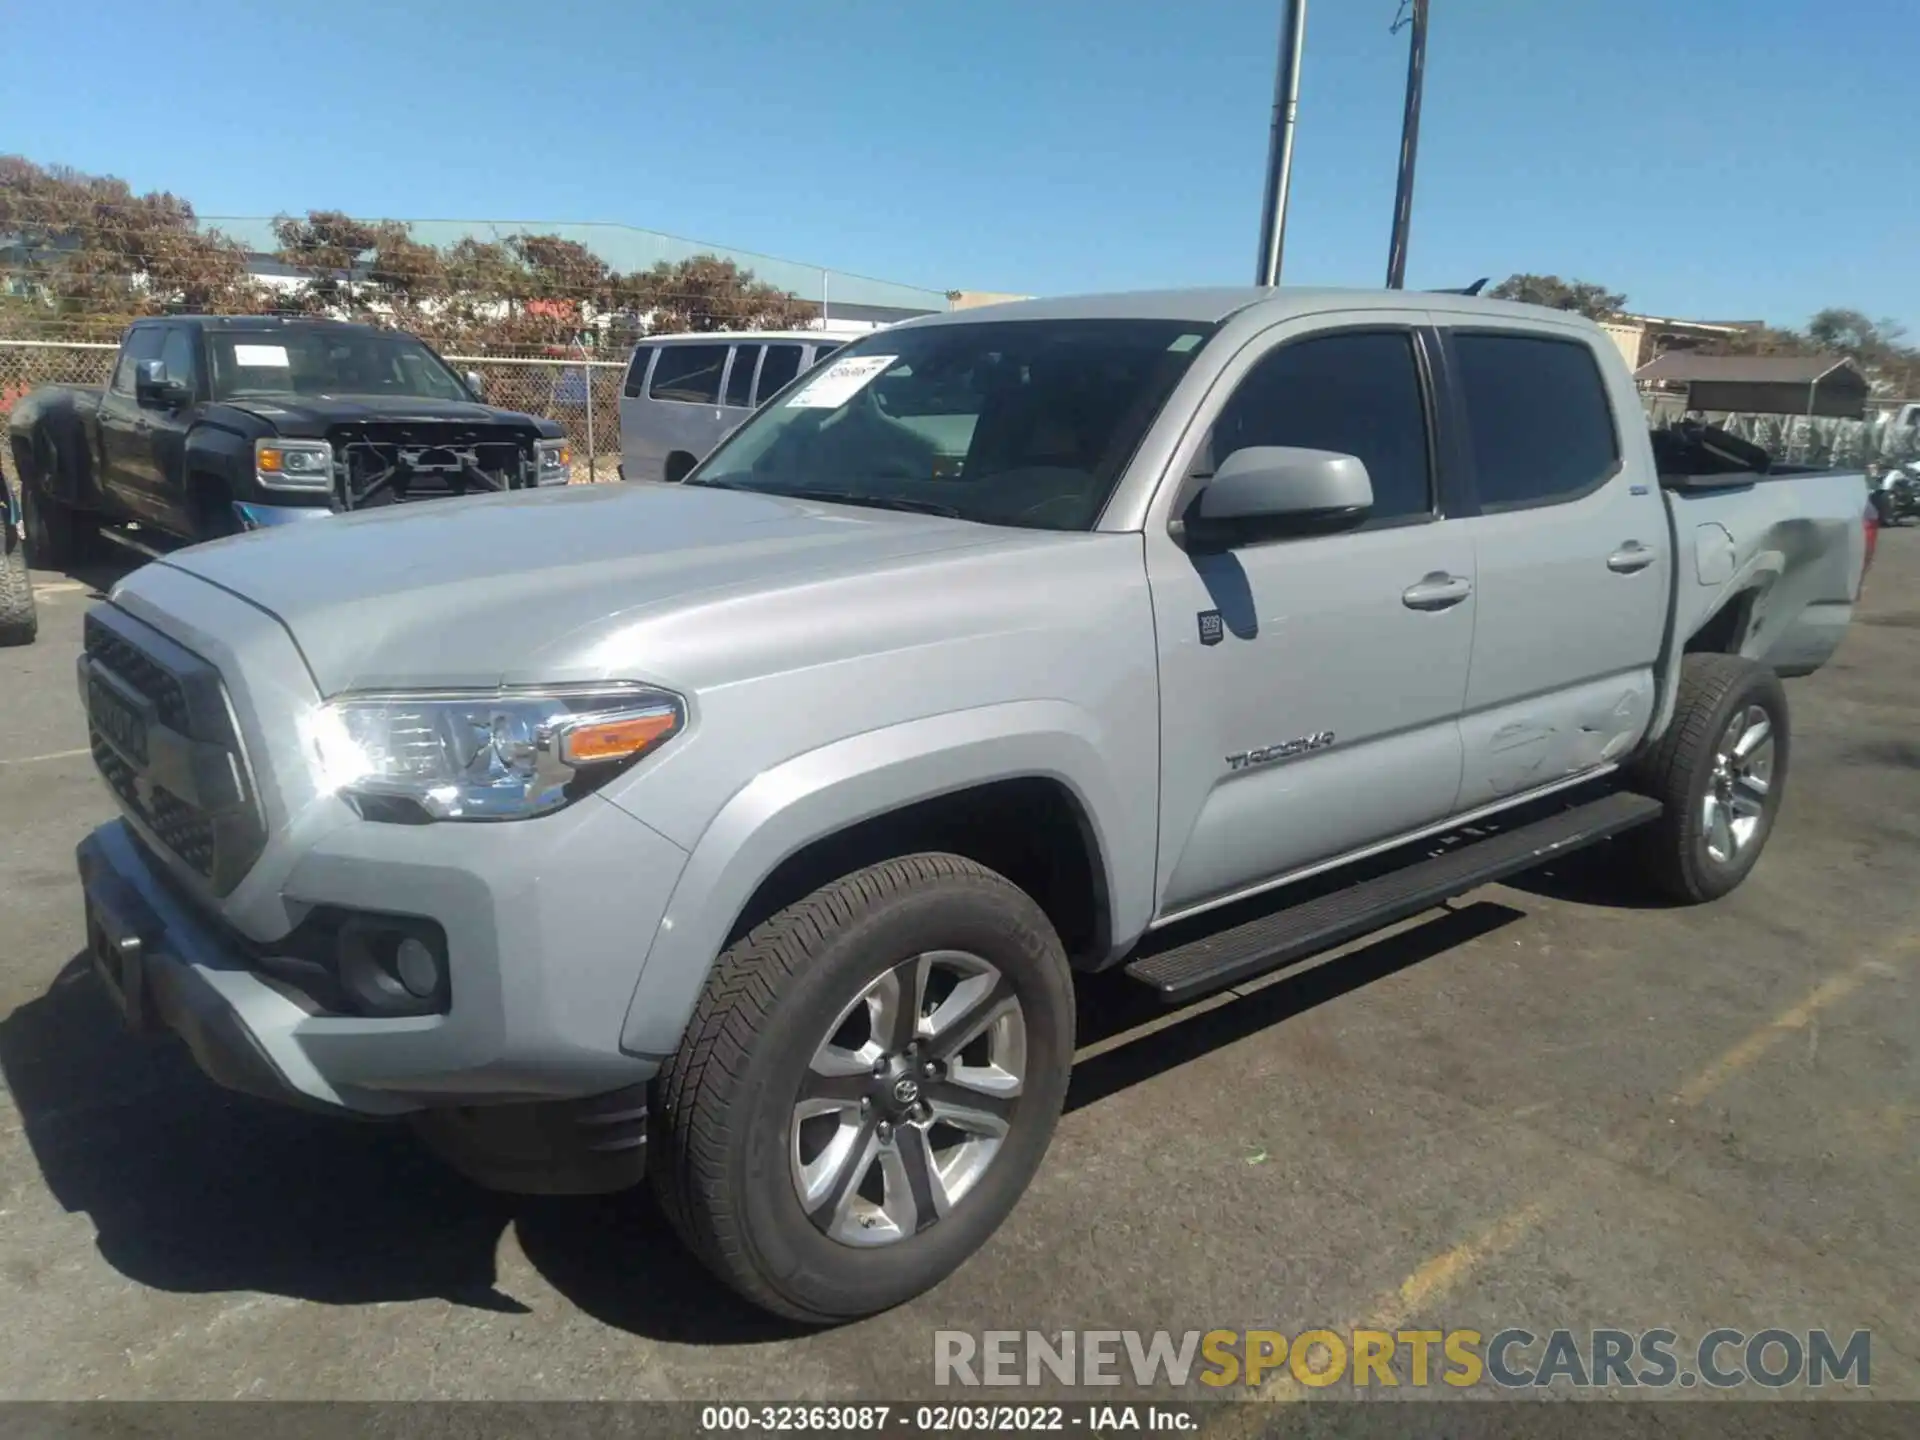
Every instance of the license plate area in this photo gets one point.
(120, 720)
(118, 950)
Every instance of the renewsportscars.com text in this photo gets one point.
(1512, 1358)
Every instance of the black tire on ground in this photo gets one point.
(679, 465)
(1717, 694)
(58, 536)
(722, 1107)
(18, 621)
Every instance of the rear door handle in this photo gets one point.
(1437, 590)
(1630, 557)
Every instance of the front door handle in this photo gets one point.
(1437, 590)
(1629, 558)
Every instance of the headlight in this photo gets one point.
(495, 755)
(293, 464)
(555, 460)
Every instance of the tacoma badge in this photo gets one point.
(1285, 750)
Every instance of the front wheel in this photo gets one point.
(19, 622)
(867, 1085)
(1719, 769)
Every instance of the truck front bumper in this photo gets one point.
(527, 1020)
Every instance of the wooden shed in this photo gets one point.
(1829, 385)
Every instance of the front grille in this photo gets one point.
(140, 671)
(209, 819)
(175, 824)
(390, 464)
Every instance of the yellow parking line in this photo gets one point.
(1439, 1275)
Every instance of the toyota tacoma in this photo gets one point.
(748, 834)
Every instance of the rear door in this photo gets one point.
(1572, 555)
(1310, 688)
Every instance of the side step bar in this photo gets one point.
(1284, 936)
(127, 539)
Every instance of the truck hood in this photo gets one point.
(523, 587)
(312, 415)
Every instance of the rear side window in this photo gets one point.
(1356, 393)
(1538, 414)
(780, 366)
(821, 352)
(740, 378)
(688, 372)
(637, 372)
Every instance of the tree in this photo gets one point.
(706, 292)
(86, 248)
(1596, 302)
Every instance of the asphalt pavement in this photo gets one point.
(1554, 1104)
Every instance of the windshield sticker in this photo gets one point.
(274, 356)
(840, 382)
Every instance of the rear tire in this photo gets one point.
(805, 1148)
(57, 536)
(1720, 770)
(19, 622)
(679, 465)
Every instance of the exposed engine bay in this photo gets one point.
(392, 464)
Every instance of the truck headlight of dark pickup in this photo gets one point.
(554, 459)
(293, 465)
(485, 755)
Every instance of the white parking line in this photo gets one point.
(59, 587)
(36, 759)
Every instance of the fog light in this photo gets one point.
(416, 966)
(393, 966)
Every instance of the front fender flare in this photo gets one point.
(817, 794)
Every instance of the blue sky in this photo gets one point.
(1711, 160)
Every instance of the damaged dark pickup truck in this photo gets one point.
(211, 425)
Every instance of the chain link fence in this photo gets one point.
(581, 392)
(1802, 439)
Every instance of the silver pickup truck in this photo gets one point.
(748, 833)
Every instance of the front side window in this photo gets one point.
(176, 353)
(141, 344)
(1026, 422)
(1355, 393)
(688, 373)
(740, 377)
(1537, 409)
(319, 362)
(637, 371)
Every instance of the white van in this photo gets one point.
(685, 393)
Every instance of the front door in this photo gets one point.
(126, 429)
(1311, 688)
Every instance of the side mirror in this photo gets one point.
(476, 383)
(1267, 492)
(153, 387)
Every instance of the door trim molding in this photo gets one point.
(1365, 852)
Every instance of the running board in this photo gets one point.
(1281, 937)
(131, 542)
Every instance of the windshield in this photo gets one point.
(1016, 422)
(327, 362)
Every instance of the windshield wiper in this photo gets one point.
(879, 502)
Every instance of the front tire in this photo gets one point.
(1720, 769)
(56, 534)
(867, 1085)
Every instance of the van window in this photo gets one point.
(821, 352)
(637, 372)
(780, 366)
(1541, 425)
(689, 373)
(740, 378)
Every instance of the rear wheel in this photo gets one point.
(866, 1087)
(1720, 770)
(679, 465)
(56, 534)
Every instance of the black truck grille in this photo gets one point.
(184, 783)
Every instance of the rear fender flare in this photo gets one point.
(817, 794)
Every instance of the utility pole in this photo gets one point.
(1409, 139)
(1286, 106)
